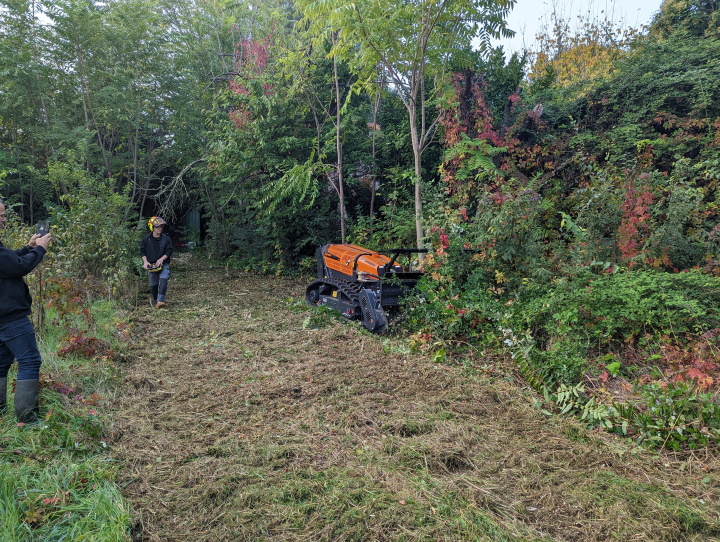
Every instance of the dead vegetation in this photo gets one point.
(238, 423)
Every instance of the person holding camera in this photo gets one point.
(17, 334)
(155, 251)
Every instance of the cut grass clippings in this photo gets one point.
(245, 416)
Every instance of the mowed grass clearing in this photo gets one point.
(246, 416)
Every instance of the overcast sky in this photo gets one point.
(529, 17)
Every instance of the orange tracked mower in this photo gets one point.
(360, 283)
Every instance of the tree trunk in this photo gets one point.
(417, 155)
(373, 174)
(338, 144)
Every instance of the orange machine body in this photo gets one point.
(357, 263)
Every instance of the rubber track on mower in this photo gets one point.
(348, 289)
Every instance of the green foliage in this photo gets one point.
(445, 310)
(393, 225)
(673, 416)
(259, 138)
(504, 76)
(571, 62)
(319, 318)
(277, 242)
(69, 498)
(620, 307)
(662, 95)
(690, 18)
(562, 362)
(15, 234)
(298, 184)
(553, 328)
(92, 235)
(567, 255)
(571, 400)
(394, 34)
(27, 190)
(411, 44)
(477, 157)
(677, 416)
(508, 231)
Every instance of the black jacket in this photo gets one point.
(154, 248)
(15, 299)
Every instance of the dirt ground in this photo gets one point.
(239, 421)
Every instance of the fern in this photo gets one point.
(475, 157)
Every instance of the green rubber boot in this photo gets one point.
(3, 395)
(26, 401)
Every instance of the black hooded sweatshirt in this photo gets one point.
(15, 299)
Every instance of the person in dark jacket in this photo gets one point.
(17, 334)
(155, 251)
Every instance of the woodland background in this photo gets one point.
(569, 198)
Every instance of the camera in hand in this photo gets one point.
(43, 227)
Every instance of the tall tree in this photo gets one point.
(26, 81)
(309, 69)
(413, 41)
(116, 64)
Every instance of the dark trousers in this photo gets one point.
(17, 342)
(159, 283)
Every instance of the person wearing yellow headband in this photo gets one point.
(155, 250)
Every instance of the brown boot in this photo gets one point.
(159, 304)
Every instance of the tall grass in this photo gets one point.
(56, 476)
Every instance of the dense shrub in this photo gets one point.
(618, 308)
(94, 236)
